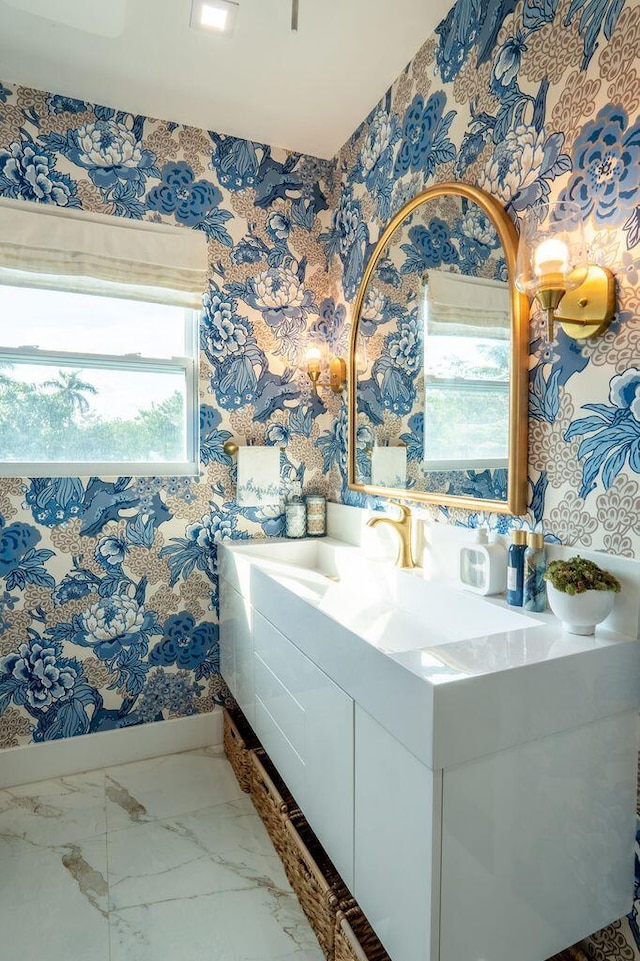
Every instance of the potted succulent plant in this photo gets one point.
(580, 593)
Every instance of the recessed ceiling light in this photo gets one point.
(219, 15)
(214, 17)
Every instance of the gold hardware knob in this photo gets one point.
(230, 448)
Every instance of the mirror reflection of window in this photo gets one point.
(467, 353)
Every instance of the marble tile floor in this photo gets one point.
(160, 860)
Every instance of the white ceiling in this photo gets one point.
(306, 91)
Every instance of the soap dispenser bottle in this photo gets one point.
(483, 565)
(534, 593)
(515, 567)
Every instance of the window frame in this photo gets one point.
(189, 365)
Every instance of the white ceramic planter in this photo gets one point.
(580, 613)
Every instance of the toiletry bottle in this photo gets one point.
(483, 565)
(534, 594)
(295, 513)
(515, 567)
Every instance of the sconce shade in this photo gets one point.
(552, 266)
(551, 250)
(314, 359)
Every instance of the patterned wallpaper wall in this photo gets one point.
(108, 589)
(531, 101)
(108, 586)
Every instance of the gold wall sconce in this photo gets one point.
(552, 266)
(337, 372)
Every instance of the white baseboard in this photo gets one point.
(73, 755)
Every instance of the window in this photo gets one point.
(466, 403)
(467, 358)
(96, 385)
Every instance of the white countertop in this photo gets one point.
(452, 675)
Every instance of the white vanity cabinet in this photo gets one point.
(476, 794)
(303, 719)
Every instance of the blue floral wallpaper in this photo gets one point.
(531, 101)
(108, 587)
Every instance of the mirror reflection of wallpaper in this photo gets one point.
(433, 356)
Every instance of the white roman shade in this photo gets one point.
(59, 249)
(467, 306)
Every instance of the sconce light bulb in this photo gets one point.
(314, 357)
(551, 259)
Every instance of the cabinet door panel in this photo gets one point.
(305, 722)
(540, 836)
(397, 804)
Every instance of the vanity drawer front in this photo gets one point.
(296, 673)
(280, 750)
(305, 722)
(283, 706)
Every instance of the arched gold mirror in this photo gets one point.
(438, 361)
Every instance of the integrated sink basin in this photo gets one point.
(395, 610)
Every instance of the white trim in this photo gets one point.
(37, 357)
(465, 384)
(102, 470)
(466, 463)
(88, 752)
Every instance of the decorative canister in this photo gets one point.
(316, 515)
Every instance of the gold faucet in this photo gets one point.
(403, 528)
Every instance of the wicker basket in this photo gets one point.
(239, 745)
(271, 799)
(571, 954)
(355, 939)
(317, 884)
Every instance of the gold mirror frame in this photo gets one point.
(516, 502)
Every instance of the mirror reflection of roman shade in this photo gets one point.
(61, 249)
(462, 306)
